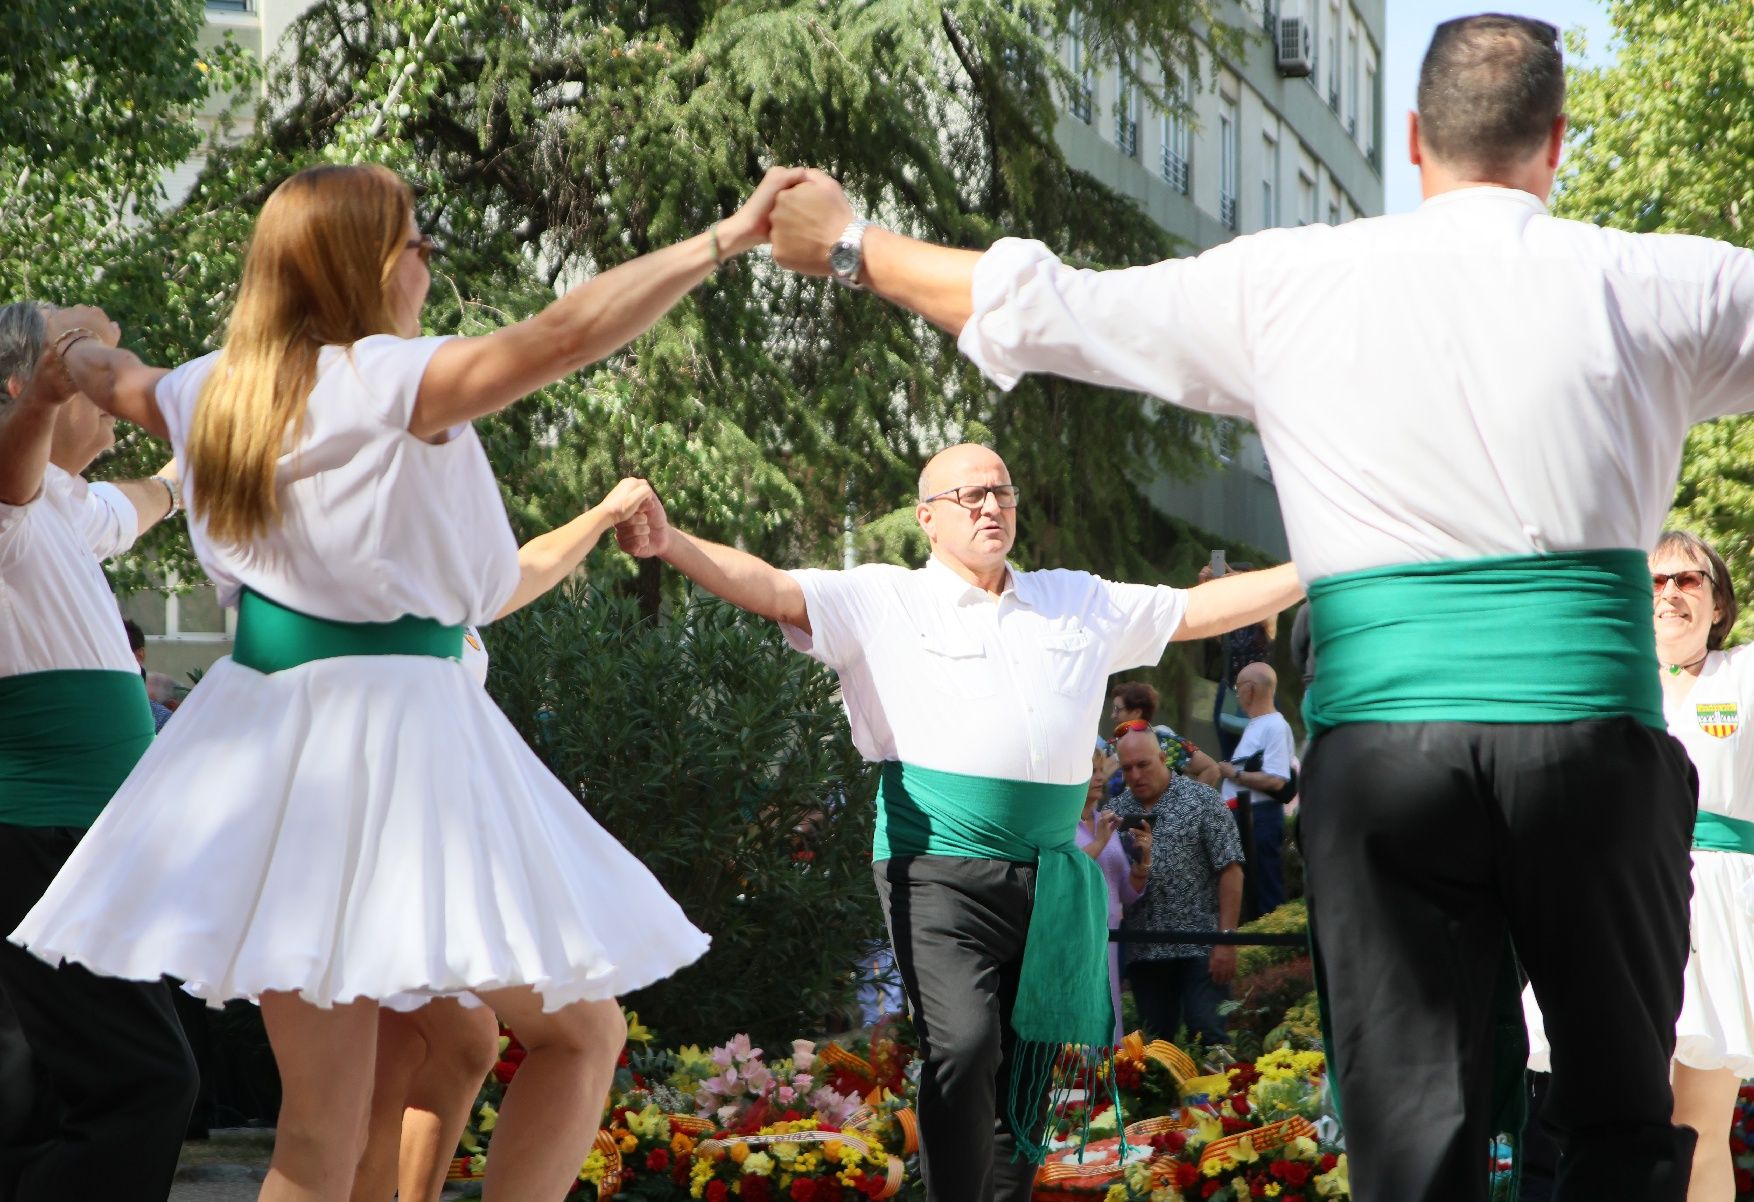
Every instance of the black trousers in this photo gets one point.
(1172, 992)
(958, 927)
(96, 1080)
(1426, 845)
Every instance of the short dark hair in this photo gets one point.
(1490, 89)
(136, 636)
(1723, 590)
(1138, 696)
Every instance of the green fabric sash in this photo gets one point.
(1063, 1015)
(68, 740)
(1720, 832)
(1522, 638)
(273, 638)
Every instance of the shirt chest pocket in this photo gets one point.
(958, 666)
(1069, 661)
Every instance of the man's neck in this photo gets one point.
(989, 580)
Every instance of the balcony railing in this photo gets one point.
(1227, 212)
(1127, 135)
(1174, 169)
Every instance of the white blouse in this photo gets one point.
(1712, 722)
(375, 523)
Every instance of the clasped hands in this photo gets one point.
(801, 211)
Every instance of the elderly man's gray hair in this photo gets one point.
(21, 341)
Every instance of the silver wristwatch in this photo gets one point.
(847, 256)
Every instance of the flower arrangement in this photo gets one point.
(745, 1093)
(801, 1160)
(1742, 1143)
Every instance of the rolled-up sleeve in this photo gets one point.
(1174, 329)
(108, 520)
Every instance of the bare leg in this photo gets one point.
(402, 1048)
(462, 1044)
(325, 1059)
(1705, 1100)
(555, 1103)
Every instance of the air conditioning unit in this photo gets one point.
(1296, 47)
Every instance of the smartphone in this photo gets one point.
(1135, 822)
(1219, 567)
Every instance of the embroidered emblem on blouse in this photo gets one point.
(1719, 719)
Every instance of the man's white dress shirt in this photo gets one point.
(56, 609)
(1476, 378)
(939, 673)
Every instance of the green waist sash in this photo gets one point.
(67, 742)
(273, 638)
(1062, 992)
(1522, 638)
(1720, 832)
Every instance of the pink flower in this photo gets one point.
(786, 1095)
(803, 1054)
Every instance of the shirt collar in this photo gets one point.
(1018, 587)
(1486, 192)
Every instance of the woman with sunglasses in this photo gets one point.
(339, 814)
(1708, 698)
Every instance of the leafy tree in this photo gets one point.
(1663, 140)
(549, 140)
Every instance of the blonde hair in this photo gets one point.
(318, 273)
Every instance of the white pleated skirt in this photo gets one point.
(363, 827)
(1716, 1027)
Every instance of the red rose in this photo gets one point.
(1186, 1175)
(791, 1116)
(803, 1189)
(1744, 1182)
(1329, 1160)
(621, 1061)
(1239, 1104)
(658, 1159)
(1738, 1145)
(756, 1189)
(1234, 1126)
(716, 1190)
(1211, 1187)
(1295, 1173)
(874, 1186)
(504, 1071)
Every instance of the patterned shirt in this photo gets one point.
(1193, 839)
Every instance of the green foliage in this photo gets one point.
(721, 758)
(1292, 918)
(1663, 140)
(550, 140)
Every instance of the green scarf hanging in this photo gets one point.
(1063, 1017)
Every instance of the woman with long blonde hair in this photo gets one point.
(339, 814)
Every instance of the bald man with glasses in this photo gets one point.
(976, 687)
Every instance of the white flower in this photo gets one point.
(803, 1054)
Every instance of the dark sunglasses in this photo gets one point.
(1130, 726)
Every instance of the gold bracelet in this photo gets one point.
(712, 234)
(68, 338)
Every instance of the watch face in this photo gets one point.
(843, 258)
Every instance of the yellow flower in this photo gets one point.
(1335, 1184)
(637, 1032)
(1273, 1190)
(681, 1144)
(758, 1164)
(739, 1153)
(808, 1162)
(1304, 1148)
(1244, 1152)
(785, 1153)
(628, 1141)
(1116, 1193)
(1212, 1166)
(487, 1117)
(478, 1163)
(835, 1150)
(595, 1167)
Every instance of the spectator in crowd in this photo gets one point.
(1194, 884)
(163, 690)
(1125, 860)
(161, 713)
(1133, 699)
(1252, 782)
(1240, 648)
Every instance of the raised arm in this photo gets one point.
(118, 383)
(1176, 329)
(1231, 602)
(737, 576)
(472, 377)
(547, 559)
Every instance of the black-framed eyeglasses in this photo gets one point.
(974, 496)
(423, 246)
(1691, 580)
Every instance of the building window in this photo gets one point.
(1173, 134)
(1229, 148)
(1333, 57)
(1270, 18)
(230, 6)
(1333, 212)
(1369, 114)
(1269, 181)
(1127, 116)
(1083, 78)
(1352, 84)
(1306, 200)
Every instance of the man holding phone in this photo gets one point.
(1189, 872)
